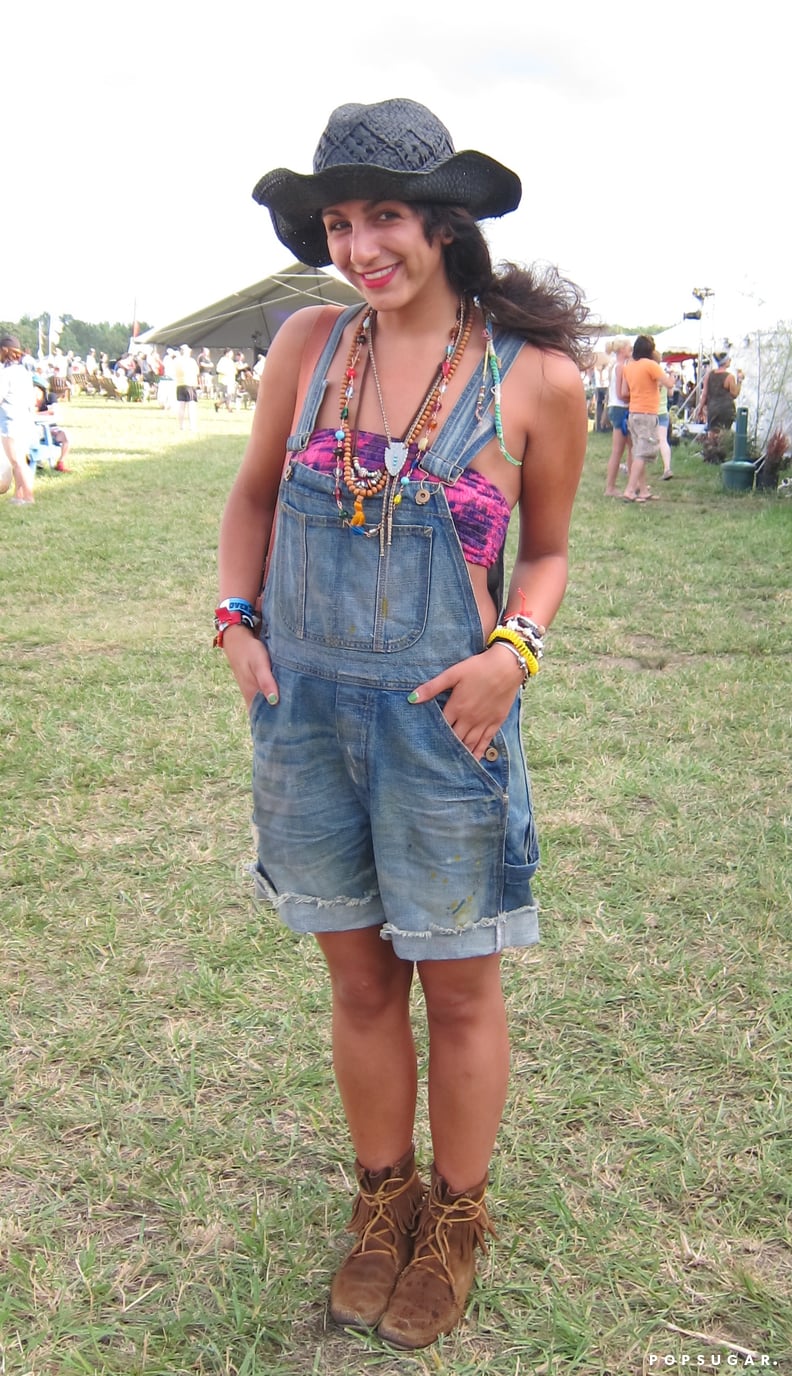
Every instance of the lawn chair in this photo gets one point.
(60, 386)
(247, 389)
(43, 452)
(109, 389)
(82, 382)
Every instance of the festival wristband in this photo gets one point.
(234, 611)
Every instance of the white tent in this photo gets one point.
(684, 340)
(765, 357)
(250, 319)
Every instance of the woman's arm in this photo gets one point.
(548, 406)
(249, 512)
(701, 409)
(557, 436)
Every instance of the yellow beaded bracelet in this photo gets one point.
(512, 638)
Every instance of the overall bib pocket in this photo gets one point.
(314, 552)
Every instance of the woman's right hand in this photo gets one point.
(250, 665)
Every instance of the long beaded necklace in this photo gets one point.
(362, 482)
(492, 369)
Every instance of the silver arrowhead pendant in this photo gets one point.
(395, 456)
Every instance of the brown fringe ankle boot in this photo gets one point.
(384, 1217)
(432, 1291)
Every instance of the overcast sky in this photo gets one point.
(651, 142)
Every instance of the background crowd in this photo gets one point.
(225, 376)
(634, 395)
(176, 379)
(32, 388)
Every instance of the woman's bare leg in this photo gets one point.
(636, 483)
(23, 486)
(468, 1064)
(665, 448)
(373, 1048)
(621, 449)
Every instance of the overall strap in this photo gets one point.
(462, 437)
(319, 348)
(318, 383)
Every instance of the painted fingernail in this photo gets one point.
(413, 697)
(272, 699)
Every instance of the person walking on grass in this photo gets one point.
(621, 445)
(643, 378)
(663, 425)
(17, 406)
(391, 798)
(186, 375)
(226, 381)
(206, 372)
(719, 394)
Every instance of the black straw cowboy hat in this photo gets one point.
(396, 149)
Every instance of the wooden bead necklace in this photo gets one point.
(362, 482)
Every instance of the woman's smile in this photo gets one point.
(379, 244)
(380, 277)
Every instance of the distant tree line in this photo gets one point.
(75, 336)
(611, 331)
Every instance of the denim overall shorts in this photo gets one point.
(367, 809)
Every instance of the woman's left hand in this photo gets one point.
(481, 692)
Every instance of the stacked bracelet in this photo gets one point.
(514, 651)
(510, 637)
(523, 636)
(529, 631)
(234, 611)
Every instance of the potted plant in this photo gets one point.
(772, 463)
(717, 446)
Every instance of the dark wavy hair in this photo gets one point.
(644, 346)
(539, 305)
(10, 349)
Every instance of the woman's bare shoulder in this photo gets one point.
(294, 334)
(542, 371)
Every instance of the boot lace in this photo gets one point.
(380, 1216)
(470, 1222)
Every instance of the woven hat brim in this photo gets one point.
(485, 187)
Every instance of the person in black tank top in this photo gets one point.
(719, 395)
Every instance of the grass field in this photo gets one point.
(174, 1173)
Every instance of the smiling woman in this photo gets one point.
(391, 796)
(380, 245)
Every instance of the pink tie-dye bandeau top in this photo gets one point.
(478, 508)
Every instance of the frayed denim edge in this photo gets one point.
(501, 921)
(266, 893)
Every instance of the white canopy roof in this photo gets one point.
(250, 319)
(684, 340)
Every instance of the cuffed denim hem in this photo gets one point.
(305, 914)
(484, 938)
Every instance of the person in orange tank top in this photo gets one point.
(642, 380)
